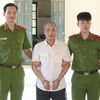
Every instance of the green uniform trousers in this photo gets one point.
(11, 80)
(83, 85)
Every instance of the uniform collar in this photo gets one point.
(6, 27)
(90, 37)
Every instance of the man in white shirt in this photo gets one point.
(50, 53)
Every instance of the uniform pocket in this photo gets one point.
(20, 38)
(20, 72)
(93, 54)
(98, 78)
(77, 78)
(4, 44)
(20, 41)
(1, 72)
(20, 44)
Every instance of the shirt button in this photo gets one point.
(93, 51)
(13, 42)
(13, 59)
(13, 51)
(84, 48)
(84, 56)
(84, 41)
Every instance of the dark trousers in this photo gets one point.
(55, 95)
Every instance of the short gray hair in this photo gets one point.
(49, 23)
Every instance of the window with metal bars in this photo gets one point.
(34, 18)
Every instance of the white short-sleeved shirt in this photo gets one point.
(51, 61)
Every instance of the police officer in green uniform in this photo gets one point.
(85, 48)
(13, 39)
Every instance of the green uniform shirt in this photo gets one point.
(85, 52)
(12, 44)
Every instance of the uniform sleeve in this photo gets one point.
(69, 46)
(99, 50)
(66, 55)
(26, 44)
(35, 53)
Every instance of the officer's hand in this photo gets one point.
(64, 63)
(55, 84)
(46, 84)
(99, 61)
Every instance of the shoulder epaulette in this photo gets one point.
(72, 35)
(96, 36)
(23, 27)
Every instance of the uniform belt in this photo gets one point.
(87, 73)
(9, 66)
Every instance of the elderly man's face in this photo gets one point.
(50, 31)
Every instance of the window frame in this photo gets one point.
(34, 19)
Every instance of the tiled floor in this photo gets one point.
(30, 79)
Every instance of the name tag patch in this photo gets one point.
(3, 38)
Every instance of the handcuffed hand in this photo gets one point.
(46, 84)
(55, 84)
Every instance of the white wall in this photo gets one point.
(2, 19)
(73, 7)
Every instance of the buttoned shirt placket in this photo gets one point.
(50, 67)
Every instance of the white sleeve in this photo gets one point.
(66, 55)
(35, 53)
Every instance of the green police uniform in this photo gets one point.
(85, 59)
(11, 46)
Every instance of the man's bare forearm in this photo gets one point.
(64, 71)
(37, 72)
